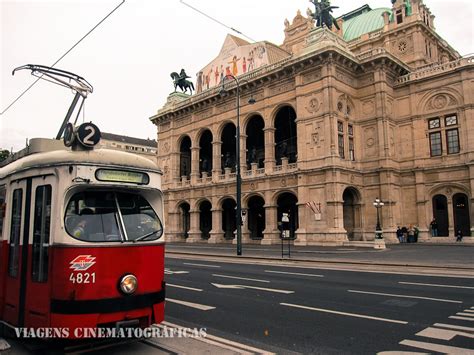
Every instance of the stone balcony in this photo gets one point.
(230, 177)
(431, 70)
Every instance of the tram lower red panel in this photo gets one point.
(82, 290)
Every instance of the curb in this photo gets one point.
(345, 262)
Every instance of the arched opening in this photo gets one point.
(255, 141)
(205, 152)
(184, 220)
(287, 203)
(351, 213)
(256, 217)
(228, 147)
(462, 220)
(185, 157)
(440, 213)
(228, 218)
(205, 219)
(286, 135)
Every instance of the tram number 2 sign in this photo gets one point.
(88, 134)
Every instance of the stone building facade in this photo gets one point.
(382, 108)
(140, 146)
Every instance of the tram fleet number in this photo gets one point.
(82, 278)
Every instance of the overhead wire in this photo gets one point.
(216, 20)
(60, 58)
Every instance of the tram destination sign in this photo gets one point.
(122, 176)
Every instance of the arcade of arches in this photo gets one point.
(336, 121)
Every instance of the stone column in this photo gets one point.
(451, 230)
(269, 161)
(300, 233)
(194, 231)
(217, 234)
(172, 232)
(216, 160)
(194, 164)
(271, 234)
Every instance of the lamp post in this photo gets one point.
(238, 213)
(378, 229)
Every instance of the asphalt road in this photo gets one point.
(287, 309)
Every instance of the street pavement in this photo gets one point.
(285, 308)
(441, 256)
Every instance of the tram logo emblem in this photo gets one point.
(82, 262)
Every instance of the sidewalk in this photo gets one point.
(417, 255)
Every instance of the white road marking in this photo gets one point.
(465, 314)
(436, 347)
(239, 278)
(201, 307)
(405, 296)
(184, 287)
(241, 287)
(204, 265)
(462, 318)
(442, 334)
(171, 272)
(469, 310)
(345, 313)
(435, 285)
(293, 273)
(452, 326)
(223, 343)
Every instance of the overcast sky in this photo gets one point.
(128, 58)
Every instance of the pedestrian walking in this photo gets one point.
(404, 234)
(459, 236)
(434, 228)
(417, 232)
(399, 234)
(411, 234)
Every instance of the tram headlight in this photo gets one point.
(128, 284)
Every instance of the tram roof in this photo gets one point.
(99, 157)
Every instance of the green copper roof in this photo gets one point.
(364, 23)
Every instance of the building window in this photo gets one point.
(350, 130)
(434, 123)
(399, 17)
(452, 141)
(351, 149)
(341, 145)
(435, 144)
(340, 127)
(441, 128)
(451, 120)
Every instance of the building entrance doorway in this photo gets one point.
(461, 214)
(256, 217)
(440, 213)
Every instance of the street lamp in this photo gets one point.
(238, 213)
(378, 229)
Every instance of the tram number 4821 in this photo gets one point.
(82, 278)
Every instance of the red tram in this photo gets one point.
(82, 243)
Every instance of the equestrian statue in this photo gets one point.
(322, 13)
(180, 80)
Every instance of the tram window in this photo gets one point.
(14, 250)
(3, 207)
(93, 216)
(139, 218)
(41, 232)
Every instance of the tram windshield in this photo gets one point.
(102, 216)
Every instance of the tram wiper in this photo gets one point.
(143, 237)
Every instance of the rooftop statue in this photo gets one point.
(180, 80)
(322, 14)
